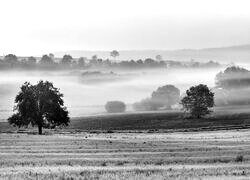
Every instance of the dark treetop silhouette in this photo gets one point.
(40, 105)
(198, 100)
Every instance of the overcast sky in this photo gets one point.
(34, 27)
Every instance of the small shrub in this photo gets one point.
(120, 163)
(239, 158)
(159, 163)
(115, 106)
(104, 164)
(110, 131)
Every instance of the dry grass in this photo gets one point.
(190, 155)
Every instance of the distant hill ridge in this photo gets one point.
(240, 53)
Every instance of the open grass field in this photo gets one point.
(223, 118)
(227, 117)
(221, 154)
(147, 145)
(160, 121)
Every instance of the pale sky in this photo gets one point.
(35, 27)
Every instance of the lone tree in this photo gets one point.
(198, 100)
(114, 54)
(39, 105)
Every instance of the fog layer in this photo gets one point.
(83, 97)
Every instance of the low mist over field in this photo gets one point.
(86, 94)
(88, 84)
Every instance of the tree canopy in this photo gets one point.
(167, 95)
(81, 61)
(31, 60)
(114, 53)
(198, 100)
(39, 105)
(46, 60)
(11, 59)
(233, 77)
(163, 97)
(158, 57)
(66, 60)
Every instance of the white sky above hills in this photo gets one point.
(35, 27)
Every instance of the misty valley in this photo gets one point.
(125, 90)
(87, 89)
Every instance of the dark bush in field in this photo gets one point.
(115, 106)
(239, 158)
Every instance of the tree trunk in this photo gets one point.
(40, 130)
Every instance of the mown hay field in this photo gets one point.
(221, 154)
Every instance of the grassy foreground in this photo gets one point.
(110, 147)
(222, 118)
(161, 121)
(178, 155)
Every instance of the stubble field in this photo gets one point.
(178, 155)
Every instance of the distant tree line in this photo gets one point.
(49, 61)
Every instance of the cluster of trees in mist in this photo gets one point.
(198, 101)
(11, 61)
(233, 86)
